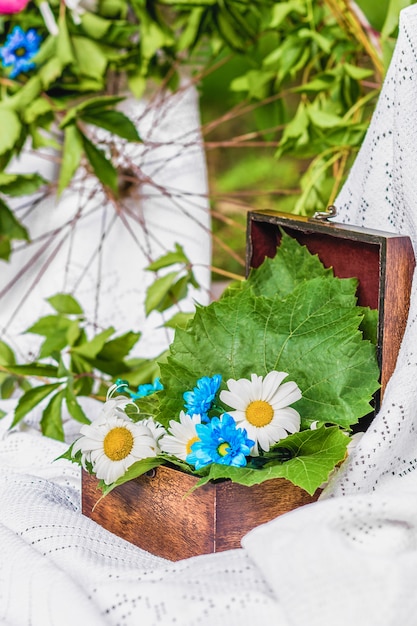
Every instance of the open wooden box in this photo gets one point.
(153, 511)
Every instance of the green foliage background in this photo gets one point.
(281, 82)
(287, 91)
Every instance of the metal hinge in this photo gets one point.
(324, 216)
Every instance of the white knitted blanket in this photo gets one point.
(349, 559)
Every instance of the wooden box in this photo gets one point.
(383, 263)
(155, 511)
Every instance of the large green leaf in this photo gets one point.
(392, 15)
(315, 453)
(312, 334)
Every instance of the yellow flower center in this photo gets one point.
(118, 443)
(259, 413)
(190, 443)
(223, 448)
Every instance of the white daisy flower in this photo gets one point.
(112, 444)
(181, 436)
(262, 408)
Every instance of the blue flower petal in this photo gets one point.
(222, 442)
(19, 49)
(200, 400)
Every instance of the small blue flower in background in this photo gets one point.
(143, 390)
(221, 441)
(200, 400)
(19, 49)
(147, 389)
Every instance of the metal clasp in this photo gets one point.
(324, 216)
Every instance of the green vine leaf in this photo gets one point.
(40, 370)
(73, 406)
(102, 166)
(113, 121)
(32, 398)
(10, 229)
(170, 258)
(71, 156)
(159, 291)
(90, 349)
(20, 184)
(65, 303)
(51, 421)
(11, 129)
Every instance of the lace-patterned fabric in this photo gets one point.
(348, 559)
(381, 192)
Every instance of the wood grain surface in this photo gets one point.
(157, 513)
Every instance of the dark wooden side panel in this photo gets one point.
(239, 509)
(152, 513)
(399, 269)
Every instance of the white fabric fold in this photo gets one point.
(345, 561)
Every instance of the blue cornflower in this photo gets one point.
(19, 49)
(221, 441)
(200, 400)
